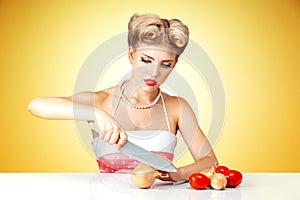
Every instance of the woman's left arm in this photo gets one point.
(195, 140)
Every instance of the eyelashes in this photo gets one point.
(164, 65)
(145, 60)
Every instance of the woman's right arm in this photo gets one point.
(79, 107)
(76, 107)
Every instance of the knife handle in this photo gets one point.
(161, 175)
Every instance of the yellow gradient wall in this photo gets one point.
(255, 46)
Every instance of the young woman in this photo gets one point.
(136, 109)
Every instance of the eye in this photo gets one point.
(145, 60)
(166, 65)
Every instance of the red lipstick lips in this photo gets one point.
(150, 82)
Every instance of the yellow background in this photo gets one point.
(255, 46)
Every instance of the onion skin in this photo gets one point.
(218, 181)
(209, 171)
(143, 180)
(143, 176)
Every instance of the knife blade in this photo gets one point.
(146, 157)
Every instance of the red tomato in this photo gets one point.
(221, 169)
(199, 181)
(234, 178)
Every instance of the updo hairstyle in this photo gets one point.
(150, 29)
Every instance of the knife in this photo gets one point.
(141, 154)
(146, 157)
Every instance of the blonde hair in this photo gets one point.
(150, 29)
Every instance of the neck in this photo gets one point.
(139, 93)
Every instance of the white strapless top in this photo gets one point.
(111, 160)
(151, 140)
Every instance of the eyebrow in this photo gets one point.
(154, 59)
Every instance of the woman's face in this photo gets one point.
(151, 66)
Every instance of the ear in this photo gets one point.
(130, 54)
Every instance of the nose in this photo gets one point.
(155, 71)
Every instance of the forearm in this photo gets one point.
(59, 108)
(196, 167)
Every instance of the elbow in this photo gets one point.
(30, 105)
(34, 107)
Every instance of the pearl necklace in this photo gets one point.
(139, 106)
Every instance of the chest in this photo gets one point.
(154, 118)
(157, 117)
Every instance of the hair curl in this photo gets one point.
(150, 29)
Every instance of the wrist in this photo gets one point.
(182, 173)
(98, 114)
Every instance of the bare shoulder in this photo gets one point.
(178, 106)
(103, 98)
(174, 101)
(95, 99)
(172, 104)
(103, 94)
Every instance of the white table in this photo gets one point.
(90, 186)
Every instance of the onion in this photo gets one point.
(143, 176)
(218, 181)
(209, 171)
